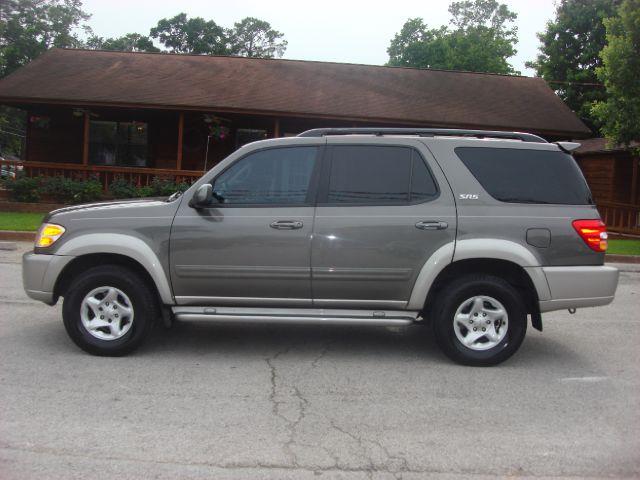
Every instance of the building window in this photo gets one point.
(248, 135)
(118, 143)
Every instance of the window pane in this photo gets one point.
(527, 176)
(118, 143)
(423, 186)
(369, 174)
(278, 175)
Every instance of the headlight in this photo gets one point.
(48, 234)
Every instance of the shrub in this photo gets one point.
(24, 189)
(87, 191)
(60, 188)
(163, 187)
(67, 190)
(120, 188)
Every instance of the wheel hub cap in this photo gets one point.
(481, 322)
(106, 313)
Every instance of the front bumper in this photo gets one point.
(579, 287)
(40, 273)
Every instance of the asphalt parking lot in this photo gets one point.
(205, 401)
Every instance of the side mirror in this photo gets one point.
(202, 197)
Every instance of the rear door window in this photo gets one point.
(527, 176)
(380, 175)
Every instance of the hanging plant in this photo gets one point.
(40, 121)
(217, 131)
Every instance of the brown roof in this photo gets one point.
(597, 145)
(318, 89)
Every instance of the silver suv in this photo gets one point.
(471, 232)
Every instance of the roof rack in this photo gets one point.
(423, 132)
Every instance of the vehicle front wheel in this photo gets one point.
(109, 310)
(479, 320)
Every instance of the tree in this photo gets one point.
(27, 29)
(620, 73)
(131, 42)
(30, 27)
(251, 37)
(191, 35)
(568, 56)
(481, 39)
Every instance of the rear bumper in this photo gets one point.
(40, 273)
(579, 287)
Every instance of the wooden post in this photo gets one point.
(85, 139)
(180, 135)
(276, 128)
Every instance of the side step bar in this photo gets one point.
(308, 316)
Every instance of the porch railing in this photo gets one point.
(138, 176)
(620, 217)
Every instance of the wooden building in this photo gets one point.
(139, 115)
(613, 173)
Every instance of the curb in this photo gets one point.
(15, 236)
(622, 258)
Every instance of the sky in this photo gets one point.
(328, 30)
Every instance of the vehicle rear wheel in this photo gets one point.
(109, 310)
(479, 320)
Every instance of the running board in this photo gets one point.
(308, 316)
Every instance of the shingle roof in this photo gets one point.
(597, 145)
(318, 89)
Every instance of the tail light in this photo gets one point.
(593, 232)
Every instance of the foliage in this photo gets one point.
(131, 42)
(251, 37)
(21, 221)
(569, 53)
(12, 131)
(23, 189)
(481, 39)
(159, 187)
(67, 190)
(162, 187)
(191, 35)
(620, 72)
(30, 27)
(121, 188)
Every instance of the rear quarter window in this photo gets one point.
(527, 176)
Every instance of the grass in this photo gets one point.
(25, 222)
(624, 247)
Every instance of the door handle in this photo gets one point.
(432, 225)
(286, 224)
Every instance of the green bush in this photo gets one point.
(67, 190)
(120, 188)
(60, 188)
(163, 187)
(24, 189)
(87, 191)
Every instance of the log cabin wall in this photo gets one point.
(54, 135)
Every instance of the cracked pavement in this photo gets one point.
(204, 401)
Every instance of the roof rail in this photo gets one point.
(423, 132)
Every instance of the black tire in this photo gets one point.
(141, 296)
(454, 294)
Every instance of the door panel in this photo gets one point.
(234, 252)
(369, 256)
(252, 244)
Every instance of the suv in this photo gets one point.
(472, 231)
